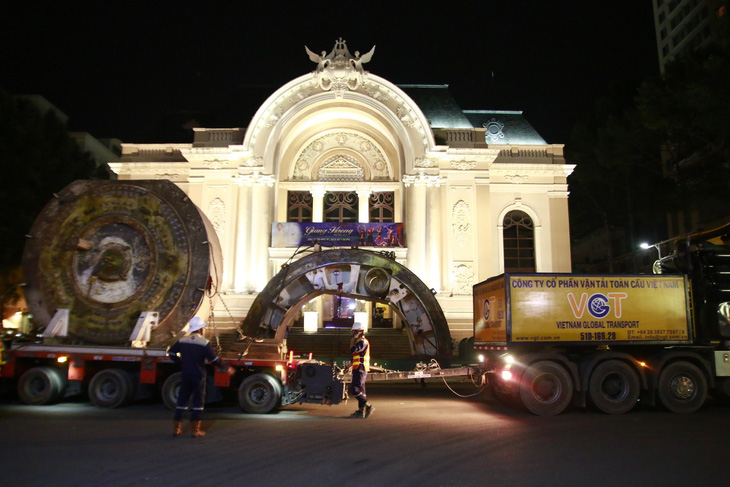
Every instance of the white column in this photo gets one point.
(416, 229)
(241, 273)
(363, 205)
(434, 246)
(260, 236)
(317, 203)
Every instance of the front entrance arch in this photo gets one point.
(356, 273)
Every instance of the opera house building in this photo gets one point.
(342, 157)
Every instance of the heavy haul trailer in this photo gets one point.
(114, 376)
(114, 270)
(611, 340)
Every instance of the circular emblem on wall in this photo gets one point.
(494, 131)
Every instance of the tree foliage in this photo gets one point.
(618, 181)
(689, 107)
(37, 158)
(658, 146)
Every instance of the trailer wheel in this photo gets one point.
(546, 388)
(259, 393)
(111, 388)
(682, 387)
(170, 389)
(614, 387)
(41, 385)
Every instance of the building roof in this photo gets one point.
(504, 127)
(438, 106)
(443, 112)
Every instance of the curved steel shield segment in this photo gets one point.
(361, 274)
(109, 250)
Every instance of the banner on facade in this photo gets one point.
(296, 234)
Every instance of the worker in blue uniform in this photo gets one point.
(360, 348)
(191, 353)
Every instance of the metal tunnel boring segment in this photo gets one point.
(110, 250)
(355, 273)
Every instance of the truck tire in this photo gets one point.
(259, 393)
(41, 385)
(546, 388)
(170, 388)
(682, 387)
(111, 388)
(614, 387)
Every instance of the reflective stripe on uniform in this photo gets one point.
(194, 339)
(362, 358)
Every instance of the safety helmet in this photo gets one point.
(357, 326)
(196, 324)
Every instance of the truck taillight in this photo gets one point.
(506, 375)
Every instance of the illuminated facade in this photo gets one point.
(476, 192)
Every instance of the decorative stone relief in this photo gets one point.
(254, 161)
(517, 178)
(404, 115)
(463, 165)
(374, 92)
(217, 214)
(286, 101)
(340, 71)
(215, 163)
(341, 168)
(424, 162)
(379, 168)
(494, 131)
(172, 176)
(460, 217)
(463, 279)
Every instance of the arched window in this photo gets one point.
(299, 206)
(382, 207)
(519, 242)
(340, 206)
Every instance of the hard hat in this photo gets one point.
(357, 326)
(196, 324)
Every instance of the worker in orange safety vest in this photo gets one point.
(360, 348)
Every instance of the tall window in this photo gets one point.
(519, 242)
(340, 206)
(299, 206)
(381, 207)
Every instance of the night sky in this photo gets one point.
(128, 69)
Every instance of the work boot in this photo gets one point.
(368, 411)
(177, 429)
(357, 414)
(197, 432)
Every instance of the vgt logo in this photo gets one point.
(599, 305)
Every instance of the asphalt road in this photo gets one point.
(415, 437)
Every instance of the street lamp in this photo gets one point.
(645, 245)
(656, 268)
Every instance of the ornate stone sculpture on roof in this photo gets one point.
(339, 70)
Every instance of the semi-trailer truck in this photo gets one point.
(611, 341)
